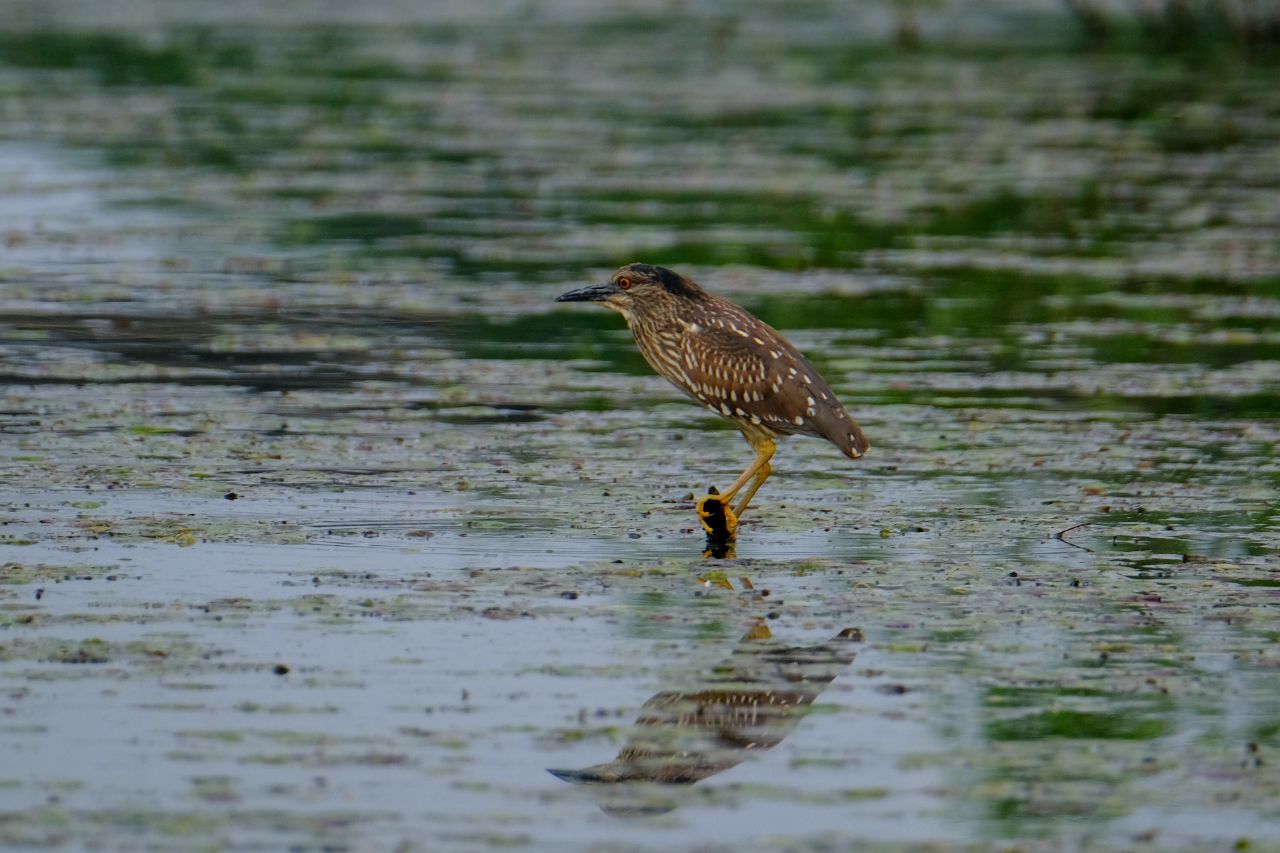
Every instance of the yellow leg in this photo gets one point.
(764, 452)
(757, 472)
(756, 483)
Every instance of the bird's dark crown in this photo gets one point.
(671, 282)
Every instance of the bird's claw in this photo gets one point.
(716, 516)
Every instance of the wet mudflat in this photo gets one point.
(324, 527)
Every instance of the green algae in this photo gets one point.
(114, 59)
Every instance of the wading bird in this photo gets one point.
(733, 364)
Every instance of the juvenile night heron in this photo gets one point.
(730, 362)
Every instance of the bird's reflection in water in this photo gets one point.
(720, 545)
(745, 704)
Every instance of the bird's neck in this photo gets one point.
(650, 324)
(658, 338)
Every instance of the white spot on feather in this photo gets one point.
(798, 421)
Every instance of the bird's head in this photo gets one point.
(637, 289)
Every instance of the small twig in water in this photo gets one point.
(1062, 533)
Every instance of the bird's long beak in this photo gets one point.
(590, 293)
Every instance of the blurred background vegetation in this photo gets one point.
(1179, 24)
(990, 154)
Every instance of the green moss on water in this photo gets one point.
(1008, 211)
(1079, 285)
(833, 244)
(888, 313)
(809, 233)
(115, 59)
(840, 61)
(1267, 732)
(588, 335)
(226, 155)
(1078, 725)
(1140, 96)
(216, 155)
(227, 736)
(355, 226)
(369, 70)
(90, 651)
(151, 429)
(1180, 133)
(1197, 34)
(1203, 405)
(355, 97)
(224, 51)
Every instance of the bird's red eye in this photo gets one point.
(624, 283)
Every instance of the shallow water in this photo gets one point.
(324, 526)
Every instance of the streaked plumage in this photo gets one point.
(729, 361)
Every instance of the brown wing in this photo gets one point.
(743, 369)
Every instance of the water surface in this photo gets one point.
(324, 526)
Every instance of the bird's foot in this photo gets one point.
(716, 516)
